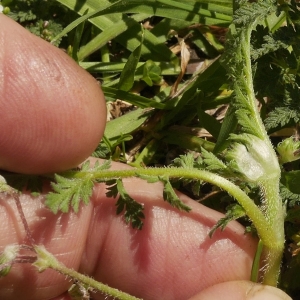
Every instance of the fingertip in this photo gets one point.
(241, 290)
(53, 113)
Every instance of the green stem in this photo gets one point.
(254, 213)
(272, 262)
(272, 208)
(46, 260)
(269, 220)
(273, 244)
(247, 80)
(256, 262)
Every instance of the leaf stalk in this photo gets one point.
(46, 260)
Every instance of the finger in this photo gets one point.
(64, 296)
(241, 290)
(172, 257)
(63, 235)
(52, 113)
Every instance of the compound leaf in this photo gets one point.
(68, 192)
(171, 197)
(71, 190)
(133, 210)
(234, 212)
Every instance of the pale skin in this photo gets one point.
(52, 116)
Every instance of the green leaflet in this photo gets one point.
(126, 124)
(151, 73)
(69, 190)
(187, 161)
(212, 162)
(127, 75)
(133, 211)
(291, 181)
(288, 150)
(228, 126)
(170, 195)
(68, 193)
(140, 101)
(235, 211)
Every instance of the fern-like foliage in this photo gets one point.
(264, 42)
(239, 67)
(282, 116)
(170, 195)
(69, 192)
(133, 210)
(253, 11)
(245, 17)
(234, 212)
(73, 187)
(277, 75)
(217, 165)
(188, 162)
(212, 162)
(288, 197)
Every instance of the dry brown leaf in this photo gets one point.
(185, 57)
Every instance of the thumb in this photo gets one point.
(241, 290)
(52, 112)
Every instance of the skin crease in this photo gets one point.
(171, 258)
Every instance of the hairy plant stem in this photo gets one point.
(268, 220)
(46, 260)
(247, 80)
(272, 207)
(273, 245)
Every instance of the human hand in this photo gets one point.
(57, 116)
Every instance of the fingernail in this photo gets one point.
(264, 292)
